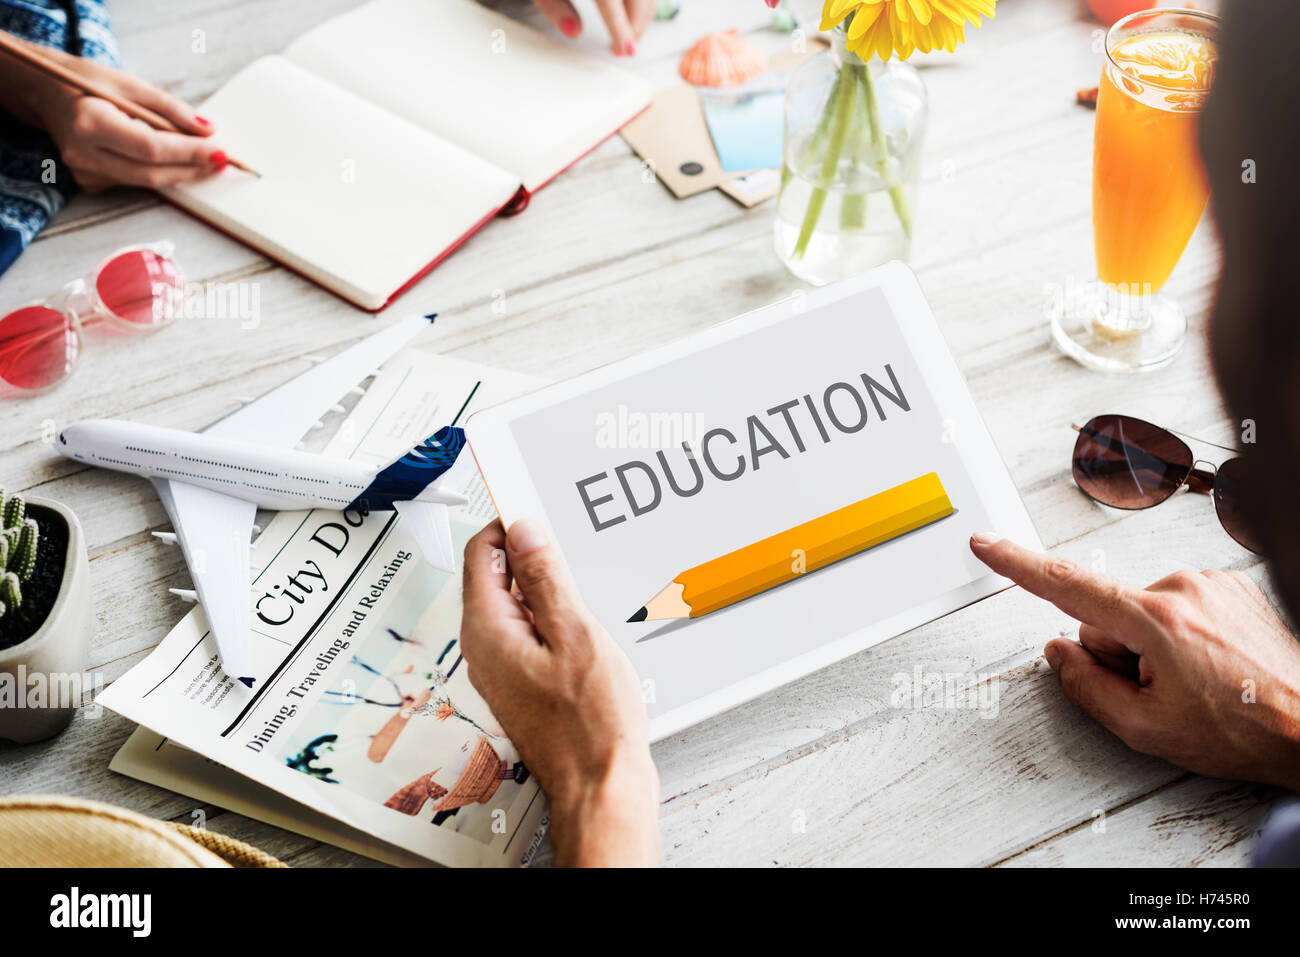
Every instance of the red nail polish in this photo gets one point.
(631, 48)
(202, 121)
(569, 27)
(219, 159)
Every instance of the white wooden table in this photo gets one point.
(604, 264)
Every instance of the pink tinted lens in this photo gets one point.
(38, 347)
(141, 287)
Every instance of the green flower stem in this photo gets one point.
(853, 205)
(818, 139)
(853, 211)
(896, 195)
(844, 93)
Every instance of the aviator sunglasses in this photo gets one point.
(138, 289)
(1127, 463)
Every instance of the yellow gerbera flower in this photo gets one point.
(887, 28)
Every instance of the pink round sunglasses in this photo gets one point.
(137, 288)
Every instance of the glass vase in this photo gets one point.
(853, 134)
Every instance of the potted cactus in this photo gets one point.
(45, 617)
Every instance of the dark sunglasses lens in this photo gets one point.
(1127, 463)
(1230, 490)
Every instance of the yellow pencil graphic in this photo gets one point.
(779, 558)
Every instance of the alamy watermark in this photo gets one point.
(237, 301)
(35, 690)
(78, 909)
(1119, 302)
(626, 428)
(961, 690)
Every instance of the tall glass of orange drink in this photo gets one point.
(1149, 189)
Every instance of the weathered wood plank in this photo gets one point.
(1192, 822)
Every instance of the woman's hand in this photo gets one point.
(565, 694)
(100, 145)
(1197, 669)
(626, 20)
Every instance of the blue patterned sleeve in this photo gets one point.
(34, 184)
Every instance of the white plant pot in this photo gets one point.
(42, 679)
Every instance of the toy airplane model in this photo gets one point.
(212, 482)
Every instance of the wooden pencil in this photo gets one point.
(786, 555)
(25, 54)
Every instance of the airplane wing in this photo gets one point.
(283, 416)
(430, 524)
(214, 531)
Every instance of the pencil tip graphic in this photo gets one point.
(639, 616)
(248, 682)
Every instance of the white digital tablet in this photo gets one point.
(759, 500)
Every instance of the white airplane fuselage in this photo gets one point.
(270, 478)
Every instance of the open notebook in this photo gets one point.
(386, 136)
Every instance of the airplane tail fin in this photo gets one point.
(415, 474)
(430, 526)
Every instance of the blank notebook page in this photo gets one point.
(352, 196)
(497, 87)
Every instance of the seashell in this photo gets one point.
(721, 59)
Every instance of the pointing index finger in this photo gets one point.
(1082, 594)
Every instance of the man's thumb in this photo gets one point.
(540, 573)
(1108, 696)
